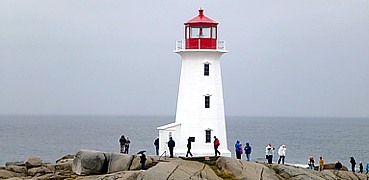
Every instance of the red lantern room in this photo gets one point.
(201, 32)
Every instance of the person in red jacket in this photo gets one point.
(216, 145)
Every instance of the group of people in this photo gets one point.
(338, 165)
(171, 144)
(311, 163)
(361, 167)
(124, 148)
(269, 153)
(124, 144)
(239, 150)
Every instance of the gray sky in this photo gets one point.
(286, 57)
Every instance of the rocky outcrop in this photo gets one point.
(96, 165)
(246, 169)
(5, 174)
(242, 169)
(179, 169)
(33, 162)
(89, 162)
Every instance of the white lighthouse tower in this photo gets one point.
(200, 106)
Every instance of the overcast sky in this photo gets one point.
(88, 57)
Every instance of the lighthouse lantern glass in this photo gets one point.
(213, 32)
(200, 32)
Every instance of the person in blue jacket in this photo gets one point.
(367, 167)
(238, 149)
(248, 151)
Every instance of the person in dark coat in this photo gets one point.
(122, 142)
(361, 168)
(126, 145)
(171, 145)
(156, 144)
(353, 163)
(338, 166)
(216, 146)
(189, 147)
(248, 150)
(311, 162)
(142, 161)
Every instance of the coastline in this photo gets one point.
(91, 164)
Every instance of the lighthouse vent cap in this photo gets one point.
(201, 18)
(201, 12)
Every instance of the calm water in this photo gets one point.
(51, 137)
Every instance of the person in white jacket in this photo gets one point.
(269, 151)
(282, 153)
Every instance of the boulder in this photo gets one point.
(64, 165)
(179, 169)
(242, 169)
(87, 162)
(119, 162)
(328, 175)
(331, 167)
(65, 158)
(5, 174)
(123, 175)
(293, 172)
(345, 175)
(17, 169)
(17, 163)
(42, 170)
(136, 164)
(33, 162)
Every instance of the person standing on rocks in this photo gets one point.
(269, 151)
(311, 162)
(122, 142)
(367, 167)
(338, 166)
(361, 168)
(143, 160)
(216, 145)
(171, 145)
(156, 144)
(353, 163)
(247, 151)
(238, 149)
(189, 147)
(126, 146)
(282, 153)
(321, 163)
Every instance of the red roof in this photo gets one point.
(201, 18)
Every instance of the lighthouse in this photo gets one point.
(200, 105)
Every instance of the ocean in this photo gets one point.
(51, 137)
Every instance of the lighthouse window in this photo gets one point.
(205, 32)
(207, 101)
(214, 32)
(206, 69)
(195, 32)
(208, 136)
(200, 32)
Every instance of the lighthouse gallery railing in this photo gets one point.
(180, 45)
